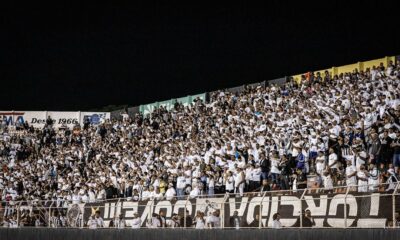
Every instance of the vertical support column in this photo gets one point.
(301, 207)
(345, 207)
(222, 212)
(18, 214)
(260, 211)
(394, 205)
(184, 213)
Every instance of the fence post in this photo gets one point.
(184, 213)
(301, 206)
(222, 212)
(18, 214)
(260, 211)
(345, 207)
(49, 220)
(394, 205)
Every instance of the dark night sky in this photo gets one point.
(76, 57)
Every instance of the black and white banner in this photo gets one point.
(369, 210)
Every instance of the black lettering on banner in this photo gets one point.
(67, 121)
(37, 121)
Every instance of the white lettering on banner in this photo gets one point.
(242, 208)
(148, 211)
(130, 208)
(323, 205)
(337, 200)
(274, 208)
(107, 210)
(317, 211)
(164, 205)
(296, 203)
(371, 223)
(374, 209)
(328, 211)
(250, 210)
(181, 204)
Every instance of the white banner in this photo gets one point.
(37, 119)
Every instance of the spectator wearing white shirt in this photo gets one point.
(351, 176)
(120, 222)
(154, 221)
(180, 185)
(373, 178)
(210, 182)
(195, 192)
(333, 163)
(170, 193)
(320, 163)
(76, 197)
(327, 182)
(146, 194)
(199, 221)
(229, 182)
(276, 224)
(136, 222)
(239, 181)
(362, 179)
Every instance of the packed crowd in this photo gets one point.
(340, 130)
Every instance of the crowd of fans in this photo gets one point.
(340, 130)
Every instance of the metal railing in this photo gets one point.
(340, 207)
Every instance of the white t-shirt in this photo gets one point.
(200, 223)
(276, 224)
(170, 193)
(320, 164)
(255, 174)
(136, 223)
(274, 166)
(229, 184)
(92, 223)
(328, 183)
(333, 158)
(76, 198)
(181, 182)
(351, 180)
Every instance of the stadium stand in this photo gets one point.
(333, 131)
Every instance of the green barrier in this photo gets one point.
(169, 104)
